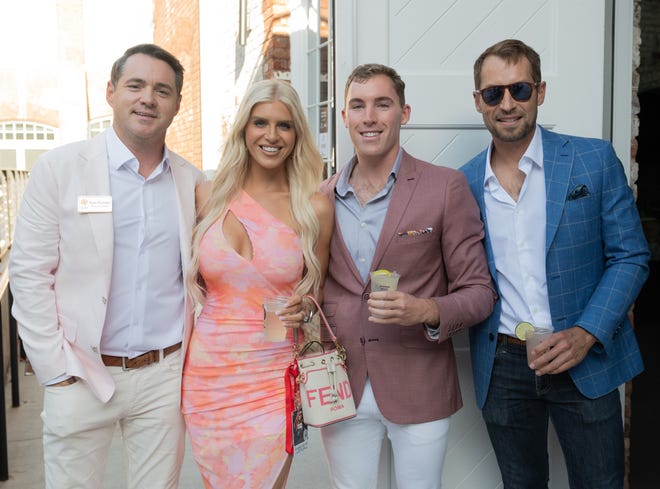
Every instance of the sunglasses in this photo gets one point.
(520, 91)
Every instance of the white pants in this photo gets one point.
(353, 449)
(78, 429)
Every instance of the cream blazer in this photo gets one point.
(60, 262)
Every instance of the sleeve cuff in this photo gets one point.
(432, 331)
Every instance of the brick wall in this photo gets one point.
(233, 66)
(277, 57)
(276, 48)
(176, 28)
(265, 55)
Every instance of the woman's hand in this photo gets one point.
(297, 312)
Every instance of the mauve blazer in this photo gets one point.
(61, 261)
(596, 261)
(414, 378)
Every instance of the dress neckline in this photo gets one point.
(254, 202)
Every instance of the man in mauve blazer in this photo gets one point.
(566, 248)
(98, 221)
(398, 213)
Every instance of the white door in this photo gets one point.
(433, 45)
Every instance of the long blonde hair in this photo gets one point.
(304, 169)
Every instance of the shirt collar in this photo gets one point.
(119, 155)
(533, 155)
(343, 186)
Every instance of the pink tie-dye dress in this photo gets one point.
(233, 380)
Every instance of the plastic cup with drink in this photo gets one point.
(533, 336)
(382, 280)
(274, 329)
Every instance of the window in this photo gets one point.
(7, 158)
(320, 62)
(12, 130)
(97, 126)
(21, 142)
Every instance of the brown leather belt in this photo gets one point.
(512, 340)
(143, 360)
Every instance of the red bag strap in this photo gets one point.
(291, 385)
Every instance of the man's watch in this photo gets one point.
(432, 328)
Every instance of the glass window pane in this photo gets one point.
(323, 140)
(7, 158)
(320, 102)
(323, 79)
(31, 156)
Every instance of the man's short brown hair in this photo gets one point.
(511, 51)
(367, 71)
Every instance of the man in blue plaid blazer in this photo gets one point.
(567, 252)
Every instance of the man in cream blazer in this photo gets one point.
(97, 271)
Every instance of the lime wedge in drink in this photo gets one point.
(522, 329)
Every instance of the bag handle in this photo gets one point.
(340, 349)
(309, 344)
(322, 316)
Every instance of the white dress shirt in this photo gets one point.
(146, 301)
(517, 233)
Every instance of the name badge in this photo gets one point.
(88, 204)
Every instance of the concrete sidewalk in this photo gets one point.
(26, 453)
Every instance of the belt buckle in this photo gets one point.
(153, 356)
(123, 365)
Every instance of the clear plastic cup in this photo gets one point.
(383, 281)
(380, 281)
(535, 337)
(274, 329)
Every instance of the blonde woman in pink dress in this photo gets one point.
(263, 231)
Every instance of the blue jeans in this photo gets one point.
(516, 413)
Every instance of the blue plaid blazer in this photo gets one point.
(596, 260)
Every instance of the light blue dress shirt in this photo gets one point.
(146, 301)
(361, 226)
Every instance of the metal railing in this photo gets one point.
(12, 184)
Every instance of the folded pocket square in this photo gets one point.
(578, 192)
(416, 232)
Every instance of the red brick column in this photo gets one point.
(176, 28)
